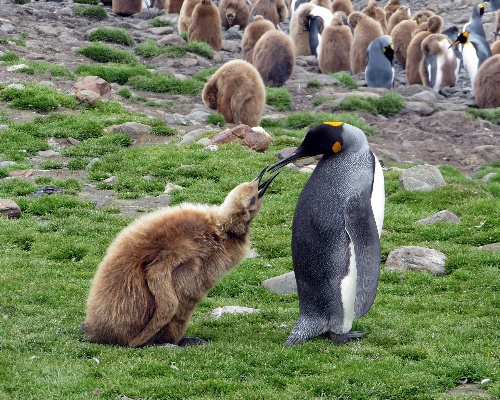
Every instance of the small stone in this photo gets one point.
(9, 209)
(441, 216)
(283, 284)
(421, 177)
(416, 258)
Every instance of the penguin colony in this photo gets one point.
(162, 265)
(311, 22)
(347, 225)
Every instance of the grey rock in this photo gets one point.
(192, 136)
(420, 108)
(9, 209)
(441, 216)
(491, 246)
(111, 180)
(489, 176)
(171, 40)
(283, 284)
(421, 177)
(416, 258)
(166, 30)
(48, 153)
(132, 129)
(7, 163)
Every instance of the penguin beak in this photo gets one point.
(281, 163)
(264, 185)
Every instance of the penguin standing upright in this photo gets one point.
(380, 63)
(475, 23)
(475, 51)
(336, 233)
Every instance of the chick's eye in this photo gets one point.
(252, 200)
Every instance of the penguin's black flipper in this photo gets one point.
(362, 230)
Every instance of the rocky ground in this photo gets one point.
(433, 129)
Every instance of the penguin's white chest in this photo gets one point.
(348, 291)
(378, 195)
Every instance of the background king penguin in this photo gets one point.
(336, 233)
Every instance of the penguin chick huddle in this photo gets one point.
(370, 41)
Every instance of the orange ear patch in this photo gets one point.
(334, 123)
(336, 147)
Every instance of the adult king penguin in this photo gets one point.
(336, 233)
(379, 63)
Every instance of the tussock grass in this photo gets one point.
(492, 115)
(119, 73)
(36, 97)
(149, 49)
(166, 83)
(104, 53)
(160, 22)
(305, 119)
(386, 105)
(345, 79)
(92, 12)
(279, 98)
(112, 35)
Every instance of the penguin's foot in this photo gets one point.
(191, 341)
(343, 338)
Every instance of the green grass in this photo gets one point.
(217, 120)
(166, 83)
(92, 12)
(104, 53)
(36, 97)
(159, 23)
(426, 333)
(149, 49)
(279, 98)
(345, 79)
(119, 73)
(492, 115)
(305, 119)
(112, 35)
(386, 105)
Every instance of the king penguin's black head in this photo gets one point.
(328, 138)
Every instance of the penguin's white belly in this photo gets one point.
(471, 60)
(348, 291)
(378, 196)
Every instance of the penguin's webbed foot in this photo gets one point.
(191, 341)
(343, 338)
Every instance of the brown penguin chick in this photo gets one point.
(421, 18)
(414, 54)
(487, 80)
(335, 46)
(206, 25)
(438, 65)
(273, 10)
(391, 7)
(126, 7)
(366, 29)
(185, 15)
(173, 6)
(234, 12)
(274, 57)
(252, 34)
(401, 35)
(343, 5)
(163, 264)
(299, 29)
(237, 92)
(401, 14)
(377, 13)
(495, 47)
